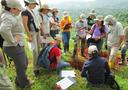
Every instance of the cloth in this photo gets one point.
(55, 52)
(10, 28)
(95, 69)
(96, 31)
(78, 28)
(54, 20)
(114, 34)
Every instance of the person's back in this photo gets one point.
(96, 68)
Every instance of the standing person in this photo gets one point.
(114, 39)
(91, 18)
(54, 27)
(99, 31)
(31, 26)
(124, 47)
(12, 31)
(45, 24)
(95, 69)
(80, 28)
(66, 26)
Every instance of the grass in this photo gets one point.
(47, 81)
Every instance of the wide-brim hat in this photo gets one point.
(14, 4)
(31, 1)
(58, 37)
(65, 14)
(54, 10)
(99, 18)
(44, 6)
(91, 49)
(92, 13)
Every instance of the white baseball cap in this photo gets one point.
(91, 49)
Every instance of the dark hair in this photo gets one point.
(26, 3)
(102, 28)
(95, 53)
(3, 3)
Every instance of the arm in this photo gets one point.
(25, 23)
(5, 31)
(84, 70)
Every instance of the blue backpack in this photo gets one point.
(44, 59)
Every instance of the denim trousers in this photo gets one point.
(123, 51)
(62, 64)
(66, 38)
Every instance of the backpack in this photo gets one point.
(44, 59)
(110, 80)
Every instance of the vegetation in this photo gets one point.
(47, 81)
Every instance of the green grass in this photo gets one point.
(47, 81)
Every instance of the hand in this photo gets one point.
(30, 38)
(18, 38)
(97, 38)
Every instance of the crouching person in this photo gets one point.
(53, 52)
(95, 68)
(5, 82)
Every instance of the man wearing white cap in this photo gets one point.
(115, 38)
(12, 31)
(80, 28)
(95, 68)
(31, 25)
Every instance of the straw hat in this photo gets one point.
(99, 18)
(14, 4)
(91, 49)
(82, 16)
(44, 6)
(65, 13)
(54, 10)
(93, 12)
(58, 37)
(31, 1)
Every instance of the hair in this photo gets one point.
(26, 3)
(102, 27)
(4, 3)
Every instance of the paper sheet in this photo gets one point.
(66, 73)
(66, 82)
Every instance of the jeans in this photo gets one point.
(66, 38)
(62, 64)
(123, 51)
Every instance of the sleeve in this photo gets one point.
(24, 13)
(57, 52)
(76, 27)
(5, 31)
(120, 30)
(84, 69)
(106, 29)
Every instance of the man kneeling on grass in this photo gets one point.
(95, 68)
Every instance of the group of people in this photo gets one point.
(39, 28)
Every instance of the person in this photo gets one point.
(95, 69)
(31, 25)
(80, 28)
(114, 38)
(12, 31)
(124, 47)
(58, 64)
(45, 24)
(90, 19)
(54, 27)
(99, 31)
(66, 25)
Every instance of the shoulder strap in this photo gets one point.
(41, 16)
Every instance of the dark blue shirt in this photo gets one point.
(95, 69)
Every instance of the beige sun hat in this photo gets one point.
(65, 13)
(58, 37)
(99, 18)
(14, 4)
(44, 6)
(82, 16)
(93, 12)
(91, 49)
(31, 1)
(54, 10)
